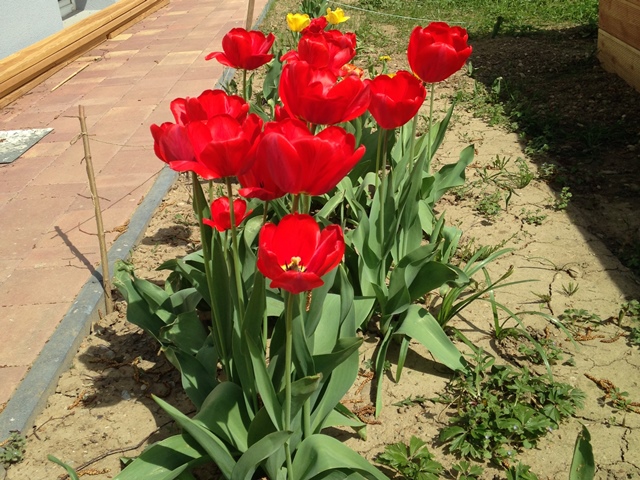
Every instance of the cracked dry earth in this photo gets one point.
(102, 408)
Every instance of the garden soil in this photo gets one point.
(102, 409)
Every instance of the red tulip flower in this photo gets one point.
(257, 182)
(221, 145)
(172, 145)
(300, 162)
(295, 254)
(395, 99)
(316, 25)
(246, 50)
(332, 50)
(437, 51)
(280, 113)
(221, 215)
(316, 95)
(208, 104)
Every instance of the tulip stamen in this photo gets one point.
(295, 265)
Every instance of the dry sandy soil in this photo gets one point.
(102, 407)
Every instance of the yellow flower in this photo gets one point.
(298, 21)
(385, 58)
(335, 17)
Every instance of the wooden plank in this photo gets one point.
(149, 11)
(619, 58)
(621, 19)
(24, 66)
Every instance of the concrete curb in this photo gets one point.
(32, 393)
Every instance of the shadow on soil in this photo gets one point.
(578, 122)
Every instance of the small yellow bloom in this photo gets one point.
(298, 21)
(335, 17)
(385, 58)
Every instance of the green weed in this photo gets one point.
(12, 449)
(521, 472)
(562, 202)
(466, 470)
(570, 289)
(413, 461)
(489, 205)
(532, 218)
(501, 410)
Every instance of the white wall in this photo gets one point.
(23, 23)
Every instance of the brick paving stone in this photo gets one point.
(9, 379)
(26, 329)
(42, 286)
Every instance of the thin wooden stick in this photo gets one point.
(249, 22)
(104, 259)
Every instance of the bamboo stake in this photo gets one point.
(249, 22)
(106, 278)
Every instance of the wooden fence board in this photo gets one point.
(618, 57)
(621, 19)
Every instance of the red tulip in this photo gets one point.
(221, 145)
(332, 50)
(295, 254)
(300, 162)
(221, 216)
(316, 25)
(244, 49)
(172, 145)
(280, 113)
(437, 51)
(395, 99)
(208, 104)
(316, 95)
(257, 182)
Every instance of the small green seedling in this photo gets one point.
(467, 470)
(570, 289)
(413, 461)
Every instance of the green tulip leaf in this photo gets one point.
(343, 349)
(312, 459)
(259, 452)
(264, 385)
(70, 471)
(212, 445)
(225, 414)
(187, 333)
(185, 300)
(138, 311)
(583, 464)
(196, 378)
(165, 460)
(420, 325)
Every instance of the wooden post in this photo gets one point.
(104, 259)
(249, 22)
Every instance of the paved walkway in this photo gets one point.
(48, 246)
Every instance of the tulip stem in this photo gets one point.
(383, 186)
(288, 347)
(379, 153)
(429, 153)
(198, 196)
(244, 85)
(294, 204)
(382, 154)
(236, 256)
(265, 321)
